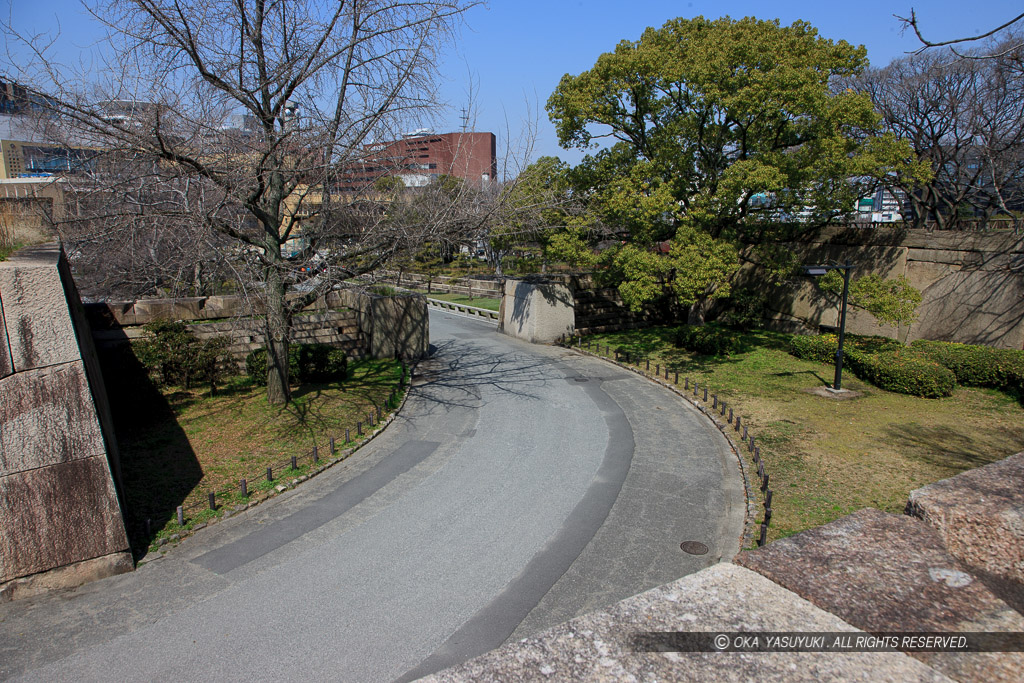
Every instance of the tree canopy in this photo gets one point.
(722, 134)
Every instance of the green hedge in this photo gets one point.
(882, 361)
(306, 363)
(904, 371)
(708, 340)
(977, 366)
(820, 348)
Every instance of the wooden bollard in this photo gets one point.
(270, 474)
(316, 454)
(763, 538)
(181, 516)
(243, 488)
(295, 465)
(213, 501)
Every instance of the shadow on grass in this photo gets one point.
(158, 466)
(947, 447)
(660, 341)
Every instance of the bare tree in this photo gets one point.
(911, 23)
(965, 118)
(307, 83)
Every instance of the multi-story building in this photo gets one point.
(421, 156)
(884, 206)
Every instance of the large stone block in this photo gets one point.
(38, 323)
(979, 515)
(58, 515)
(6, 366)
(890, 573)
(538, 312)
(397, 327)
(48, 417)
(973, 307)
(720, 599)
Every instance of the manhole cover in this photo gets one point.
(694, 547)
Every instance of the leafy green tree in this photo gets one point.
(727, 137)
(889, 301)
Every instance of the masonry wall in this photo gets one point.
(60, 517)
(364, 325)
(972, 283)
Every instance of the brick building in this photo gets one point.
(421, 156)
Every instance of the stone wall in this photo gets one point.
(536, 311)
(60, 518)
(364, 325)
(972, 283)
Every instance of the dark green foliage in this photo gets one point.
(821, 348)
(708, 340)
(306, 363)
(176, 357)
(321, 363)
(977, 366)
(884, 362)
(745, 310)
(903, 371)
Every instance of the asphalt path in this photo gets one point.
(520, 486)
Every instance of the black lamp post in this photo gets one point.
(817, 271)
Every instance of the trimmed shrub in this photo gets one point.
(321, 363)
(707, 340)
(904, 371)
(821, 348)
(977, 366)
(306, 363)
(173, 356)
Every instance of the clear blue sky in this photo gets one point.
(515, 51)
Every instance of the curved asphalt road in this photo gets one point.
(521, 486)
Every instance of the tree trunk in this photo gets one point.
(278, 392)
(698, 311)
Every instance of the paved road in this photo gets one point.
(521, 486)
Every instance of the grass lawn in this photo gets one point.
(477, 301)
(193, 444)
(827, 458)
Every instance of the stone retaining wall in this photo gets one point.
(972, 284)
(364, 325)
(60, 518)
